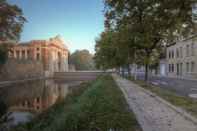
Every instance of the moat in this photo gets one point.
(27, 100)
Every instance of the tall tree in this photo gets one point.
(11, 23)
(152, 22)
(111, 50)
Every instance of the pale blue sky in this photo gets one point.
(79, 22)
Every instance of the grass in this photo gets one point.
(96, 106)
(186, 103)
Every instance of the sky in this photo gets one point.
(78, 22)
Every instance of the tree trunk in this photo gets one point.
(129, 70)
(146, 71)
(147, 65)
(119, 71)
(135, 71)
(1, 68)
(122, 71)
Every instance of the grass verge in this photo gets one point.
(186, 103)
(97, 106)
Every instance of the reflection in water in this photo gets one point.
(26, 99)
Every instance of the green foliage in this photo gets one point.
(11, 21)
(99, 105)
(82, 60)
(143, 27)
(113, 49)
(3, 53)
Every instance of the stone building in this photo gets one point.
(52, 53)
(182, 59)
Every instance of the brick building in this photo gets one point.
(52, 53)
(182, 58)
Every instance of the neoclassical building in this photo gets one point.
(52, 53)
(182, 58)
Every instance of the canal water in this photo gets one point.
(26, 100)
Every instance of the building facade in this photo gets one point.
(52, 53)
(182, 59)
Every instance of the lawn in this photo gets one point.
(186, 103)
(94, 106)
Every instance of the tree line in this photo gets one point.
(82, 60)
(136, 31)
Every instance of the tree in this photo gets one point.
(11, 23)
(111, 50)
(152, 22)
(82, 60)
(105, 56)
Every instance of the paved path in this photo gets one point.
(153, 114)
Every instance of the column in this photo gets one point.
(26, 57)
(20, 54)
(14, 53)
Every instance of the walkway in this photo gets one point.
(153, 113)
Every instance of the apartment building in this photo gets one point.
(181, 59)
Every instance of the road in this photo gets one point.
(152, 112)
(180, 86)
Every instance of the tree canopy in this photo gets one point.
(145, 26)
(82, 60)
(11, 24)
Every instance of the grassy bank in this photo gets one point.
(171, 96)
(96, 106)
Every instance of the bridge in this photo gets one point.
(79, 75)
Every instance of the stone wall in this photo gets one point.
(21, 69)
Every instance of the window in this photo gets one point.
(23, 54)
(192, 66)
(187, 67)
(37, 107)
(177, 53)
(28, 104)
(172, 54)
(172, 68)
(38, 49)
(187, 50)
(169, 54)
(28, 54)
(192, 49)
(181, 69)
(23, 103)
(181, 52)
(38, 56)
(169, 67)
(37, 99)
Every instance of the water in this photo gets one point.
(26, 100)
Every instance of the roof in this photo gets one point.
(55, 40)
(186, 39)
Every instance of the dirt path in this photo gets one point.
(153, 114)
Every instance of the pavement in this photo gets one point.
(180, 86)
(152, 112)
